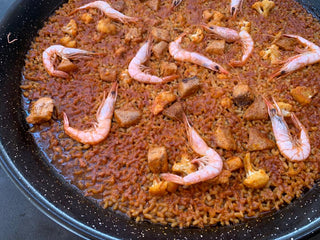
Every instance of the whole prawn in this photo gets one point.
(108, 11)
(248, 45)
(291, 148)
(180, 54)
(101, 129)
(135, 67)
(308, 57)
(231, 35)
(235, 5)
(210, 165)
(50, 54)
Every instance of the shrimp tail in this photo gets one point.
(170, 78)
(65, 120)
(172, 178)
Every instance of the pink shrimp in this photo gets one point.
(235, 5)
(291, 148)
(101, 129)
(50, 54)
(108, 11)
(308, 57)
(180, 54)
(227, 34)
(210, 165)
(135, 67)
(248, 45)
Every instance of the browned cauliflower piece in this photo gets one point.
(41, 111)
(271, 53)
(286, 108)
(67, 41)
(302, 94)
(104, 26)
(71, 28)
(184, 166)
(158, 187)
(198, 36)
(264, 7)
(255, 178)
(86, 18)
(162, 100)
(234, 163)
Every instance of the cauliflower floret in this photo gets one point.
(67, 41)
(197, 37)
(162, 100)
(158, 187)
(286, 108)
(71, 28)
(264, 7)
(184, 166)
(271, 53)
(104, 26)
(303, 94)
(245, 25)
(255, 178)
(86, 18)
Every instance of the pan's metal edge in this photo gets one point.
(43, 204)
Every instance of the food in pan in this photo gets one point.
(211, 115)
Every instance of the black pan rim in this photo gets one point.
(69, 222)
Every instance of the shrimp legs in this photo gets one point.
(291, 148)
(210, 165)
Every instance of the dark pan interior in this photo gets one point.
(29, 169)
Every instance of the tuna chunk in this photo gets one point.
(242, 95)
(161, 34)
(41, 111)
(127, 118)
(153, 4)
(257, 110)
(258, 141)
(188, 86)
(157, 159)
(175, 111)
(234, 163)
(216, 47)
(224, 138)
(108, 75)
(167, 68)
(133, 35)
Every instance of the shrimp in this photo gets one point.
(227, 34)
(291, 148)
(180, 54)
(49, 55)
(101, 129)
(248, 45)
(308, 57)
(210, 165)
(108, 11)
(135, 67)
(235, 5)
